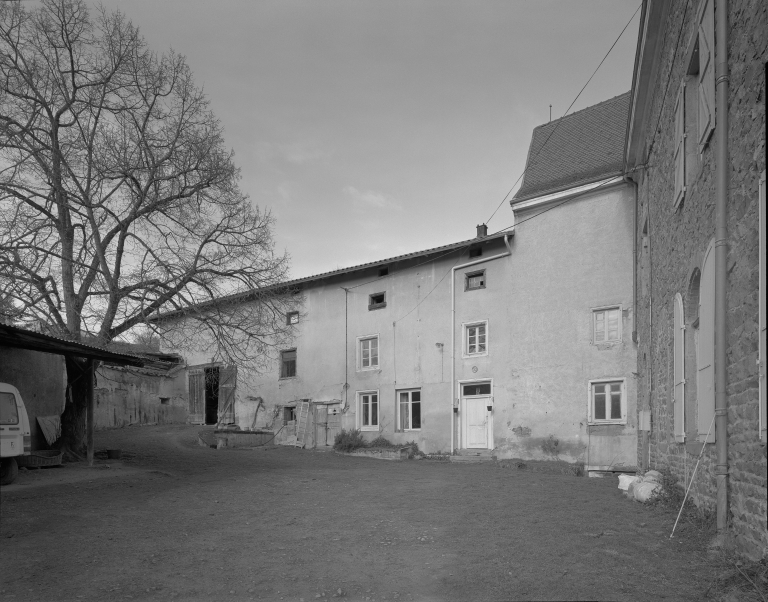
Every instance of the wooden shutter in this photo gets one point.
(705, 385)
(679, 369)
(706, 89)
(761, 358)
(197, 396)
(227, 386)
(680, 146)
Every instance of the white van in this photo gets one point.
(15, 436)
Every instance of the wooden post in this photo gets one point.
(90, 411)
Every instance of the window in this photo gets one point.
(377, 301)
(9, 414)
(476, 389)
(607, 402)
(368, 410)
(606, 325)
(476, 252)
(476, 339)
(409, 410)
(289, 414)
(678, 356)
(383, 272)
(288, 363)
(292, 317)
(474, 280)
(368, 353)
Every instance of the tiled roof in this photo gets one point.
(576, 149)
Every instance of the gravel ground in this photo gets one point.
(177, 521)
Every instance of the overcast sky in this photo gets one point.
(372, 129)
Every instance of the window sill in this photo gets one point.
(287, 377)
(467, 356)
(474, 288)
(376, 369)
(379, 306)
(369, 428)
(608, 423)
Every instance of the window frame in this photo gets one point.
(603, 309)
(465, 338)
(360, 401)
(474, 274)
(410, 403)
(591, 420)
(373, 306)
(289, 316)
(359, 347)
(295, 363)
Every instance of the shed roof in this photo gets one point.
(12, 336)
(582, 147)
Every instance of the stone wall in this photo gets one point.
(127, 396)
(671, 246)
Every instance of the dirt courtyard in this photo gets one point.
(177, 521)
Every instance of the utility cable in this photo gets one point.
(560, 120)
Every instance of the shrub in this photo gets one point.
(381, 442)
(347, 441)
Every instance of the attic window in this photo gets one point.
(474, 280)
(383, 272)
(377, 301)
(476, 252)
(292, 317)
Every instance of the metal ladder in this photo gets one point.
(301, 423)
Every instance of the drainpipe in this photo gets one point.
(721, 253)
(453, 316)
(632, 183)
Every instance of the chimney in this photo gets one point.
(482, 231)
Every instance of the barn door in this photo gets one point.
(197, 396)
(227, 385)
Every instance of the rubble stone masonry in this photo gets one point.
(671, 245)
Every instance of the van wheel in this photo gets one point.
(9, 468)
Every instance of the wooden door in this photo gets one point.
(197, 396)
(476, 416)
(227, 387)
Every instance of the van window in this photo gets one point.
(9, 414)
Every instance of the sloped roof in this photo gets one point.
(579, 148)
(296, 283)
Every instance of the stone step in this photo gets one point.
(473, 459)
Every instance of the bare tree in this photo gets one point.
(118, 198)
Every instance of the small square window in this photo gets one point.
(368, 410)
(377, 301)
(474, 280)
(607, 402)
(476, 339)
(383, 272)
(289, 414)
(606, 325)
(292, 317)
(476, 252)
(409, 410)
(288, 363)
(368, 353)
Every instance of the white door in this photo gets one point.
(476, 417)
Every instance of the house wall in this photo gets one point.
(41, 380)
(538, 304)
(126, 396)
(675, 246)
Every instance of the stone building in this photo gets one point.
(696, 151)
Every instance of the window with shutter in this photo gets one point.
(679, 369)
(706, 90)
(705, 381)
(680, 146)
(761, 358)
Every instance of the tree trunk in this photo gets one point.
(73, 419)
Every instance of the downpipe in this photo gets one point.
(453, 399)
(721, 255)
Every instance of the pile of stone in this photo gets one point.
(641, 488)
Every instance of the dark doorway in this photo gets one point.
(211, 395)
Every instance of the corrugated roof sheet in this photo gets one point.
(582, 147)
